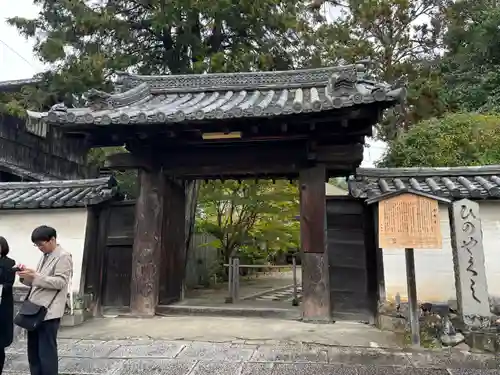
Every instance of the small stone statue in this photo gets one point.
(449, 336)
(398, 302)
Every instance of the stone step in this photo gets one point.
(229, 311)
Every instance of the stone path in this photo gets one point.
(285, 295)
(249, 286)
(179, 357)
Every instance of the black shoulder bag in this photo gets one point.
(31, 315)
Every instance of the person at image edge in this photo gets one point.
(49, 283)
(7, 277)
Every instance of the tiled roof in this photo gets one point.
(15, 84)
(177, 98)
(52, 194)
(27, 175)
(453, 183)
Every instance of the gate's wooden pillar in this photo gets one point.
(173, 256)
(315, 276)
(147, 249)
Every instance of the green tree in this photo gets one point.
(457, 139)
(86, 42)
(127, 180)
(466, 79)
(471, 65)
(253, 217)
(402, 38)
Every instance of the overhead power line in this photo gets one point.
(18, 54)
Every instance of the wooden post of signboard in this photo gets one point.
(412, 296)
(409, 220)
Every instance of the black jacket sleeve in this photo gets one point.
(7, 275)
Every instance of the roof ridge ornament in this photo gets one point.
(59, 107)
(362, 68)
(342, 86)
(124, 81)
(101, 100)
(97, 99)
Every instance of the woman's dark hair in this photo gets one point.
(43, 234)
(4, 247)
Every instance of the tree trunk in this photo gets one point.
(192, 189)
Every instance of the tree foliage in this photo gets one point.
(471, 65)
(401, 38)
(127, 180)
(249, 216)
(456, 139)
(466, 79)
(89, 40)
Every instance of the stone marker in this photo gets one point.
(468, 260)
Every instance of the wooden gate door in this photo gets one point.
(352, 260)
(117, 278)
(117, 269)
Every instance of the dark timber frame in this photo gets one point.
(306, 124)
(31, 151)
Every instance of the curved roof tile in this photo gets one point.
(452, 183)
(178, 98)
(53, 194)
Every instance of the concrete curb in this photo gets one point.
(229, 311)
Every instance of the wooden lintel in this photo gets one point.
(125, 160)
(222, 171)
(327, 154)
(242, 159)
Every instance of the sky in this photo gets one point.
(17, 60)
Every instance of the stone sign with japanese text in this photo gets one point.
(468, 260)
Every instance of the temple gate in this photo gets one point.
(308, 125)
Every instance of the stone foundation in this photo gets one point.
(484, 341)
(435, 323)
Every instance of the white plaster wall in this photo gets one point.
(70, 223)
(434, 268)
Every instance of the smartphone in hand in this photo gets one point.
(18, 268)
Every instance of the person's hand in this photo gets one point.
(27, 273)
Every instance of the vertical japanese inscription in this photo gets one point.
(468, 258)
(409, 221)
(468, 229)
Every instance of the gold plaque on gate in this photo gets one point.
(409, 221)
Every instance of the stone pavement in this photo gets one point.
(156, 357)
(242, 346)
